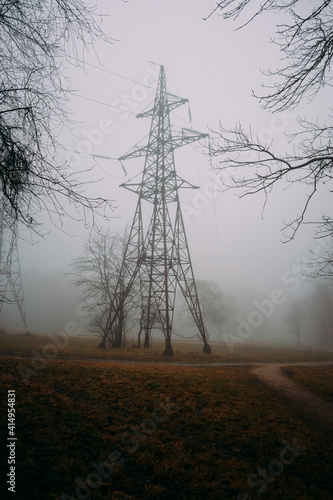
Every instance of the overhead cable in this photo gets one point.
(101, 68)
(104, 104)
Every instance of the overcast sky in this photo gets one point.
(216, 68)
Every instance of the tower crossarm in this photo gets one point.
(134, 187)
(147, 191)
(186, 136)
(182, 183)
(136, 152)
(179, 139)
(172, 103)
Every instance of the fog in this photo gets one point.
(237, 242)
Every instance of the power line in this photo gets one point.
(112, 72)
(94, 156)
(107, 173)
(217, 234)
(112, 47)
(89, 154)
(200, 182)
(104, 103)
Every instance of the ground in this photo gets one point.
(100, 429)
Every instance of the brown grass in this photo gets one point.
(222, 425)
(87, 348)
(318, 379)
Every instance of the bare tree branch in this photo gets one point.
(231, 148)
(36, 38)
(307, 44)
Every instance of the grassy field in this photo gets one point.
(64, 347)
(316, 378)
(95, 430)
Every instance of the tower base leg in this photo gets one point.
(168, 351)
(207, 349)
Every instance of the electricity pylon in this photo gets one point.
(11, 291)
(160, 259)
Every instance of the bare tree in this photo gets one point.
(96, 273)
(307, 44)
(320, 261)
(211, 299)
(37, 38)
(293, 319)
(320, 310)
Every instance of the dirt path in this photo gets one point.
(306, 402)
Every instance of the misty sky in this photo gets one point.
(216, 68)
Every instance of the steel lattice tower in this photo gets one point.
(158, 260)
(11, 291)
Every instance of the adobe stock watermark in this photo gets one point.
(291, 280)
(131, 440)
(203, 197)
(275, 468)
